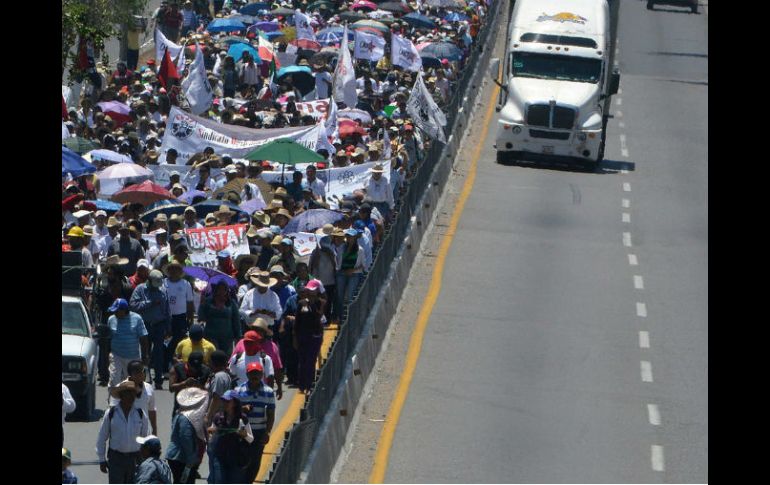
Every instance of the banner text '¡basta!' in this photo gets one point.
(215, 238)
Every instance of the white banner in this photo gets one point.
(369, 46)
(424, 111)
(207, 242)
(189, 134)
(344, 180)
(316, 109)
(302, 24)
(344, 80)
(403, 53)
(176, 51)
(304, 243)
(196, 85)
(187, 176)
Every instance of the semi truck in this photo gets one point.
(558, 80)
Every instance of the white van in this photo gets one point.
(558, 82)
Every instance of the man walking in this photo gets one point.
(180, 298)
(120, 427)
(145, 396)
(152, 469)
(258, 402)
(151, 301)
(129, 341)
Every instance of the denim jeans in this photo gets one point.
(157, 335)
(178, 333)
(346, 286)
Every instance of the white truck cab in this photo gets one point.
(558, 82)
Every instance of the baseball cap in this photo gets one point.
(100, 213)
(119, 304)
(252, 336)
(313, 285)
(156, 275)
(351, 232)
(151, 441)
(254, 366)
(143, 263)
(223, 254)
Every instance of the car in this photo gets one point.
(79, 355)
(693, 4)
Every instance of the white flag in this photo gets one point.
(302, 23)
(403, 53)
(369, 46)
(386, 148)
(345, 77)
(323, 140)
(424, 111)
(175, 51)
(332, 129)
(196, 85)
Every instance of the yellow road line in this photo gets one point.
(415, 344)
(292, 414)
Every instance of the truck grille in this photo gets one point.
(549, 134)
(540, 115)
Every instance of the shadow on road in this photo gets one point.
(673, 10)
(606, 167)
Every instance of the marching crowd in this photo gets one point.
(225, 343)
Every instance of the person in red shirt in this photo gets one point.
(141, 275)
(225, 263)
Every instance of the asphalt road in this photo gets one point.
(80, 437)
(569, 342)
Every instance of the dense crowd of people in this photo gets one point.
(227, 344)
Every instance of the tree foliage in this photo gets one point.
(98, 20)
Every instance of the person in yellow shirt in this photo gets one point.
(195, 342)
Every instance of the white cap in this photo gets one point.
(81, 213)
(143, 263)
(100, 213)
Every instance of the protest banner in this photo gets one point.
(206, 242)
(316, 109)
(189, 134)
(304, 243)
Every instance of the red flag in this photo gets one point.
(82, 54)
(167, 70)
(64, 115)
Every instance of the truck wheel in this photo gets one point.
(649, 5)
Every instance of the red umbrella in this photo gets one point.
(364, 5)
(145, 193)
(349, 127)
(307, 44)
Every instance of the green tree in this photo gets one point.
(98, 20)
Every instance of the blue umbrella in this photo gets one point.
(254, 8)
(106, 205)
(209, 206)
(210, 275)
(246, 19)
(416, 20)
(225, 25)
(292, 70)
(443, 50)
(430, 61)
(456, 17)
(237, 50)
(169, 207)
(273, 35)
(266, 26)
(74, 164)
(325, 36)
(312, 219)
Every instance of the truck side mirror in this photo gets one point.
(614, 81)
(494, 68)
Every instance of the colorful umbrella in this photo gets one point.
(302, 78)
(395, 7)
(169, 207)
(74, 164)
(225, 25)
(352, 16)
(429, 61)
(124, 171)
(144, 193)
(306, 44)
(456, 17)
(372, 24)
(108, 156)
(266, 26)
(116, 110)
(348, 127)
(290, 33)
(282, 11)
(81, 145)
(312, 219)
(210, 275)
(355, 114)
(443, 50)
(419, 21)
(317, 5)
(107, 205)
(364, 5)
(271, 36)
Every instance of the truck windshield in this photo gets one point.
(559, 68)
(72, 320)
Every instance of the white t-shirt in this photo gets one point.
(321, 88)
(179, 293)
(238, 369)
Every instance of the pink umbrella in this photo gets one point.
(422, 45)
(306, 44)
(364, 5)
(145, 193)
(116, 110)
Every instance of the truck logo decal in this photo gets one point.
(563, 17)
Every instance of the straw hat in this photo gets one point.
(262, 217)
(283, 212)
(114, 260)
(378, 168)
(261, 323)
(224, 210)
(280, 192)
(123, 387)
(326, 230)
(263, 279)
(191, 397)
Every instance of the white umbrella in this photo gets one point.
(113, 178)
(107, 156)
(355, 114)
(379, 14)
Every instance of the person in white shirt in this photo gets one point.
(180, 302)
(317, 186)
(252, 353)
(120, 426)
(261, 301)
(67, 406)
(379, 192)
(323, 81)
(191, 219)
(145, 400)
(250, 72)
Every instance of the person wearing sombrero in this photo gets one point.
(188, 434)
(285, 257)
(110, 285)
(379, 191)
(261, 301)
(224, 215)
(116, 445)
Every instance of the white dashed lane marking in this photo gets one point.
(638, 282)
(654, 414)
(623, 148)
(619, 101)
(644, 339)
(626, 217)
(626, 203)
(626, 187)
(641, 310)
(657, 458)
(627, 239)
(646, 369)
(632, 260)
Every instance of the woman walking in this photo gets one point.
(229, 431)
(223, 322)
